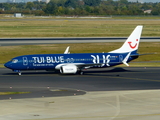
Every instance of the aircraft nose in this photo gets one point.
(7, 65)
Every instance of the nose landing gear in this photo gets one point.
(18, 71)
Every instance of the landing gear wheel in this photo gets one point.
(19, 73)
(81, 73)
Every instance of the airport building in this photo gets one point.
(47, 1)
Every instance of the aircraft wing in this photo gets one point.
(84, 65)
(78, 65)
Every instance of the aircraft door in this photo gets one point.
(25, 61)
(120, 58)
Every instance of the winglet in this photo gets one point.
(67, 50)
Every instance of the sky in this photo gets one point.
(1, 1)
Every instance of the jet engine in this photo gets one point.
(68, 69)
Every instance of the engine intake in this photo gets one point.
(68, 69)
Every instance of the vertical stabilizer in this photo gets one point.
(132, 43)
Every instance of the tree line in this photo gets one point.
(81, 8)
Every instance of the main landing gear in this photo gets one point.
(80, 72)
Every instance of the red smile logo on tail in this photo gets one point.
(131, 45)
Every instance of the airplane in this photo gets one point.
(68, 63)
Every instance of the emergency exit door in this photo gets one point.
(25, 61)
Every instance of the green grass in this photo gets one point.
(8, 52)
(51, 27)
(76, 27)
(136, 17)
(11, 93)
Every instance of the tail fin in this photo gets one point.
(132, 43)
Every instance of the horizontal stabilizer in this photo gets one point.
(126, 59)
(142, 54)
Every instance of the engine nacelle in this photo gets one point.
(68, 69)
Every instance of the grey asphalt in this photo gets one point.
(50, 84)
(100, 94)
(33, 41)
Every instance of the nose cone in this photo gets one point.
(7, 65)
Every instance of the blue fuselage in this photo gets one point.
(52, 61)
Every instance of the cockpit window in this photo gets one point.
(14, 61)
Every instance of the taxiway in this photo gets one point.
(41, 83)
(103, 94)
